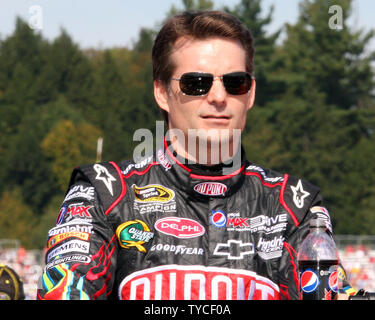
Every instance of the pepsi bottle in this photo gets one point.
(318, 261)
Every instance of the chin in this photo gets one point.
(214, 136)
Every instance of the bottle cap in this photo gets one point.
(317, 223)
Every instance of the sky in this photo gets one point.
(116, 23)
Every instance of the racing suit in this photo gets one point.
(162, 229)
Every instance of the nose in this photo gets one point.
(217, 94)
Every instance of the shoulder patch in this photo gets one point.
(297, 196)
(107, 179)
(266, 175)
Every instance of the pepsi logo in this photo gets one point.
(309, 281)
(61, 215)
(218, 219)
(333, 281)
(211, 188)
(182, 228)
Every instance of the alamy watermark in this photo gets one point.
(336, 21)
(203, 146)
(36, 17)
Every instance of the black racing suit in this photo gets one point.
(160, 229)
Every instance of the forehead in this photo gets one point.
(214, 55)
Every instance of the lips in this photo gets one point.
(216, 117)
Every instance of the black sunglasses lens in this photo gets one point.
(196, 84)
(237, 83)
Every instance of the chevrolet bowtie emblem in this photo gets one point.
(234, 250)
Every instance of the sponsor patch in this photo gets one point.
(155, 207)
(234, 250)
(218, 218)
(163, 160)
(74, 211)
(299, 195)
(80, 191)
(61, 216)
(71, 227)
(152, 193)
(70, 246)
(268, 225)
(182, 228)
(104, 175)
(72, 258)
(179, 282)
(134, 234)
(67, 235)
(265, 177)
(137, 165)
(211, 188)
(177, 249)
(270, 249)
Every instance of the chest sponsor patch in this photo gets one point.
(178, 282)
(234, 249)
(134, 234)
(182, 228)
(211, 188)
(152, 193)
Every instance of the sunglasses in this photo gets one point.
(199, 84)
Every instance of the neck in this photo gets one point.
(205, 152)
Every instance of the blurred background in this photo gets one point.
(73, 72)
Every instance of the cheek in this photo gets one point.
(183, 108)
(180, 116)
(241, 114)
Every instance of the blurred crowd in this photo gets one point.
(359, 264)
(27, 264)
(358, 260)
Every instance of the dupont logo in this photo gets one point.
(185, 282)
(182, 228)
(211, 188)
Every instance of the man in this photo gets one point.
(196, 220)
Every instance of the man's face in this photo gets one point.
(216, 110)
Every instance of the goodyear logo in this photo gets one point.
(152, 193)
(134, 234)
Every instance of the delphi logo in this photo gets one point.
(182, 228)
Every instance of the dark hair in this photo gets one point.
(197, 25)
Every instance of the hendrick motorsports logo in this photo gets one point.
(134, 234)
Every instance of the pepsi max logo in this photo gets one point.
(333, 281)
(218, 219)
(309, 281)
(60, 217)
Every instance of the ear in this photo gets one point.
(252, 94)
(161, 95)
